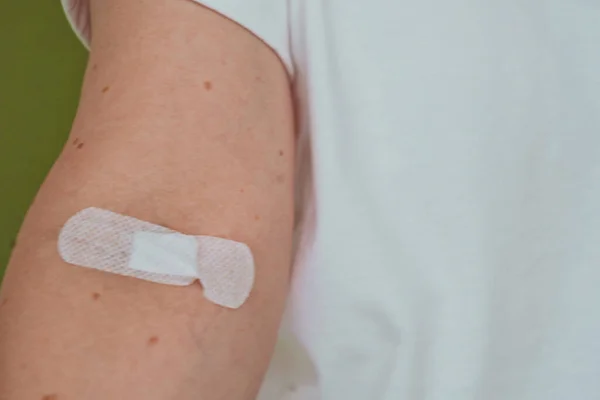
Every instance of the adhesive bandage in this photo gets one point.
(111, 242)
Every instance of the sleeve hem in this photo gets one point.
(280, 47)
(273, 34)
(77, 12)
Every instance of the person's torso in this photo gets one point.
(454, 252)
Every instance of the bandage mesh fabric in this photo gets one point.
(225, 269)
(103, 240)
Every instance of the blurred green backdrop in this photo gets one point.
(41, 67)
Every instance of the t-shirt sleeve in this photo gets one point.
(266, 19)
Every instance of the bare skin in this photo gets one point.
(185, 121)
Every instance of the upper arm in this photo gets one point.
(185, 120)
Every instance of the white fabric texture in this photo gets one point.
(456, 156)
(111, 242)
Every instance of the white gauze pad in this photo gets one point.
(111, 242)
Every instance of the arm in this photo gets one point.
(184, 121)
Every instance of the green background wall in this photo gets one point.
(41, 67)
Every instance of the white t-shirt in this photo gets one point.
(450, 247)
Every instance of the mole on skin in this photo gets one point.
(50, 397)
(105, 89)
(95, 296)
(153, 340)
(208, 85)
(80, 145)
